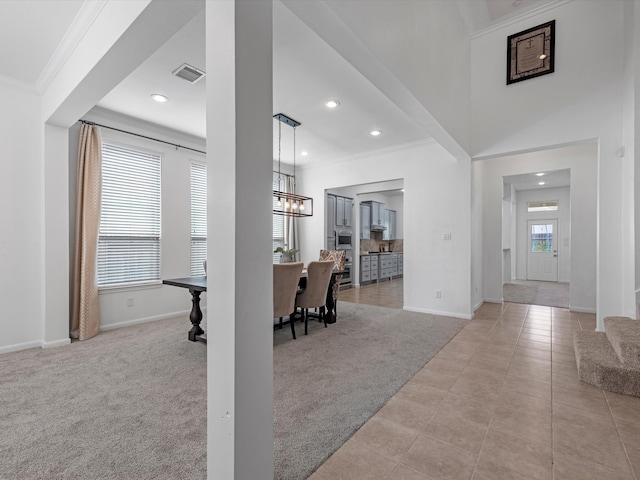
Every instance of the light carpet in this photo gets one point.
(327, 384)
(131, 403)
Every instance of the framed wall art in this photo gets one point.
(530, 53)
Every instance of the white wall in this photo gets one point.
(158, 301)
(582, 161)
(55, 280)
(562, 215)
(437, 199)
(21, 218)
(574, 104)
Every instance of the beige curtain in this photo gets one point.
(290, 223)
(85, 313)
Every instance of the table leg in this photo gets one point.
(195, 317)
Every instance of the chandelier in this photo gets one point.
(285, 200)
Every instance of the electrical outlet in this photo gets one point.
(131, 302)
(438, 293)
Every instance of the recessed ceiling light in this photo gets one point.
(304, 153)
(375, 133)
(539, 174)
(332, 103)
(540, 183)
(159, 98)
(517, 3)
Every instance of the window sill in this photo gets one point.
(129, 286)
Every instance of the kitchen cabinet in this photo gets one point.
(365, 269)
(388, 266)
(331, 222)
(365, 221)
(400, 264)
(377, 214)
(374, 267)
(368, 268)
(344, 205)
(390, 224)
(385, 222)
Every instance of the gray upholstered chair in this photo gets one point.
(315, 293)
(285, 287)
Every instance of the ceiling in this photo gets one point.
(531, 181)
(306, 72)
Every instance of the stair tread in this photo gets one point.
(599, 365)
(624, 335)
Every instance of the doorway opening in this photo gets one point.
(536, 218)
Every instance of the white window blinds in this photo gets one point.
(129, 241)
(198, 217)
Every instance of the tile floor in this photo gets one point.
(383, 294)
(501, 401)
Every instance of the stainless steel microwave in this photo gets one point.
(343, 239)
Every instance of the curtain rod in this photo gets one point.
(142, 136)
(86, 122)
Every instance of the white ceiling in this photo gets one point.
(306, 72)
(530, 181)
(30, 31)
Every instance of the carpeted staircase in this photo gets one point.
(610, 359)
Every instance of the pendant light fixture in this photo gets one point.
(285, 203)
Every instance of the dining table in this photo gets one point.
(198, 284)
(195, 285)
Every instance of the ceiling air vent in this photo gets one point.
(189, 73)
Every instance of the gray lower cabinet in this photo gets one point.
(368, 268)
(388, 266)
(374, 267)
(380, 267)
(365, 268)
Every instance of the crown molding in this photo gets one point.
(74, 35)
(12, 82)
(519, 18)
(370, 153)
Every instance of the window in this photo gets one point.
(278, 226)
(129, 240)
(541, 238)
(198, 217)
(542, 206)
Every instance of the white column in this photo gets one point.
(239, 158)
(55, 243)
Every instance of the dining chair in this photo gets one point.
(285, 287)
(339, 258)
(315, 294)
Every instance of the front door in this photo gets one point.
(542, 259)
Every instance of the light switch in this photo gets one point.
(446, 236)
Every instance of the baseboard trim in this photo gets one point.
(138, 321)
(493, 300)
(20, 346)
(56, 343)
(437, 312)
(582, 309)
